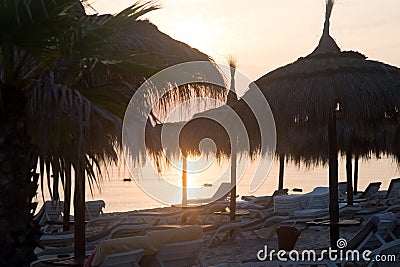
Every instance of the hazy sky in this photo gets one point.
(266, 34)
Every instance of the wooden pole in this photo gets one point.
(67, 197)
(355, 174)
(79, 213)
(232, 203)
(349, 179)
(184, 181)
(281, 170)
(333, 181)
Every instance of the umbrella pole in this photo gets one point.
(67, 198)
(79, 213)
(355, 173)
(184, 182)
(281, 170)
(349, 179)
(232, 206)
(333, 181)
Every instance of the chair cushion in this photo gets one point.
(151, 243)
(159, 238)
(120, 245)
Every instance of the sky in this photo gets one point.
(266, 34)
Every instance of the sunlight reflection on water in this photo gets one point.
(124, 196)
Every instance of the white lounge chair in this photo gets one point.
(317, 199)
(94, 208)
(123, 259)
(231, 230)
(179, 254)
(62, 243)
(371, 191)
(221, 194)
(49, 214)
(392, 193)
(156, 217)
(376, 235)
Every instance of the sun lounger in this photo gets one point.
(201, 214)
(179, 254)
(150, 243)
(226, 232)
(393, 190)
(57, 239)
(302, 217)
(50, 214)
(231, 230)
(157, 217)
(317, 199)
(266, 203)
(370, 191)
(128, 258)
(119, 231)
(94, 208)
(376, 235)
(262, 199)
(392, 193)
(342, 189)
(221, 194)
(60, 252)
(62, 243)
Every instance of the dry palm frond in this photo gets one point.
(232, 61)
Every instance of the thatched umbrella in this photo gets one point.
(191, 133)
(312, 92)
(136, 37)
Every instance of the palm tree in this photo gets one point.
(54, 67)
(65, 80)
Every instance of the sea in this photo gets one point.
(123, 191)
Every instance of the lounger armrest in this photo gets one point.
(376, 197)
(359, 194)
(280, 213)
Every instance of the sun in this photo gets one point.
(194, 31)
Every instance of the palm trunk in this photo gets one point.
(79, 213)
(333, 181)
(19, 233)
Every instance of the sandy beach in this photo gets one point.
(246, 245)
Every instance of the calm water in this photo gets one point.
(124, 196)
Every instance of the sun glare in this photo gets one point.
(196, 32)
(191, 175)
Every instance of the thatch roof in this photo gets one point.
(303, 95)
(186, 137)
(308, 89)
(145, 36)
(110, 96)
